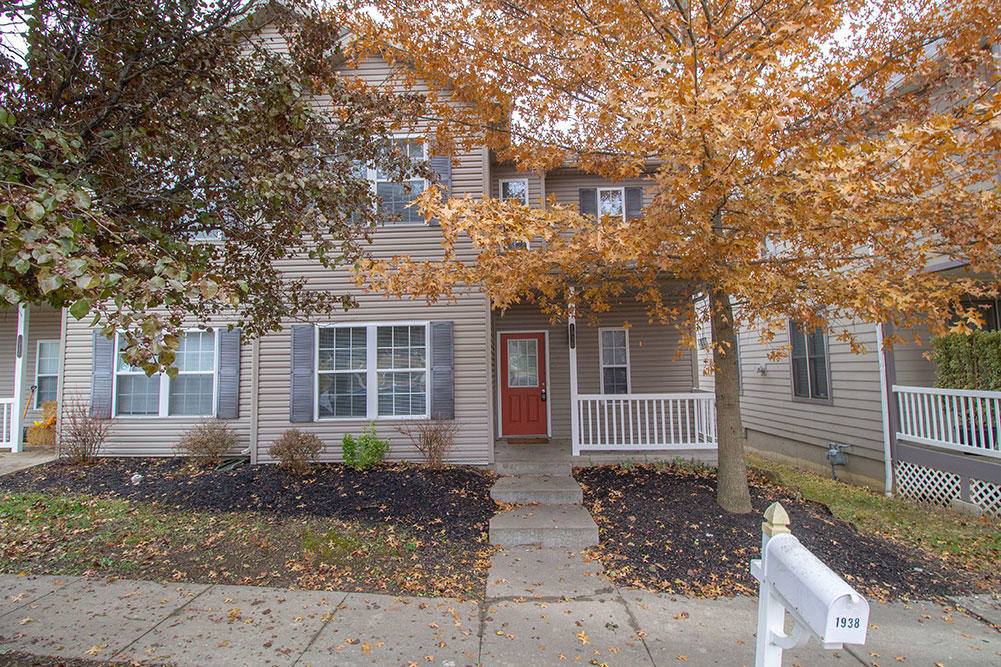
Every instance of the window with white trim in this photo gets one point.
(46, 371)
(514, 189)
(810, 367)
(342, 358)
(398, 197)
(190, 394)
(136, 394)
(402, 370)
(614, 357)
(612, 203)
(372, 370)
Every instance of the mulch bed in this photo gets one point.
(453, 502)
(393, 528)
(661, 529)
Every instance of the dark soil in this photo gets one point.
(18, 659)
(394, 528)
(661, 529)
(453, 502)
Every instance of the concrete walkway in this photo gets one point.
(33, 456)
(543, 606)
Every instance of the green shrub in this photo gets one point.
(365, 450)
(968, 361)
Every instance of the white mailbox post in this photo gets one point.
(792, 579)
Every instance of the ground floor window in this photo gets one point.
(190, 394)
(810, 367)
(46, 372)
(373, 370)
(614, 355)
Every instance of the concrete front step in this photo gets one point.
(569, 526)
(544, 490)
(536, 468)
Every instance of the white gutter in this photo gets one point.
(885, 406)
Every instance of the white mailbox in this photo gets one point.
(830, 608)
(793, 580)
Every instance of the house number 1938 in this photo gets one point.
(845, 622)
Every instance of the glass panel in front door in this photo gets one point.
(522, 363)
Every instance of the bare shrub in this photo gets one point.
(433, 438)
(81, 437)
(207, 443)
(296, 451)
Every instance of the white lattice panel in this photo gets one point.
(987, 495)
(927, 484)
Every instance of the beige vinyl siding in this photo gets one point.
(143, 436)
(503, 172)
(853, 415)
(911, 366)
(565, 183)
(473, 441)
(653, 365)
(43, 324)
(158, 436)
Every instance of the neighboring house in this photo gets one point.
(498, 374)
(905, 435)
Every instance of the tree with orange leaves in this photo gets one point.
(807, 159)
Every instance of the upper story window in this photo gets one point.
(515, 189)
(398, 197)
(46, 371)
(612, 203)
(810, 363)
(614, 354)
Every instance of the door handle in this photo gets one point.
(543, 395)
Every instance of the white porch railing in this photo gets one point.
(957, 419)
(6, 423)
(623, 422)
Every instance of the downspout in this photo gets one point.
(884, 399)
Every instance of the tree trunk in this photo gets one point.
(732, 493)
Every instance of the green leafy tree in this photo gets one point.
(158, 162)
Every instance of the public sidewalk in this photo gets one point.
(543, 606)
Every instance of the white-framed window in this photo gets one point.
(371, 371)
(341, 361)
(514, 189)
(613, 352)
(398, 197)
(612, 203)
(191, 394)
(46, 372)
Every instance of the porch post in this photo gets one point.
(20, 352)
(574, 406)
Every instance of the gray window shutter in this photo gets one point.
(228, 401)
(301, 380)
(634, 203)
(441, 165)
(102, 374)
(442, 371)
(588, 201)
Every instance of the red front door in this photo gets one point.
(523, 384)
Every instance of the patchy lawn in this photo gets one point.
(661, 529)
(393, 528)
(961, 542)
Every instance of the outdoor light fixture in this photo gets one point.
(572, 334)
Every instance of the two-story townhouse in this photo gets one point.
(614, 385)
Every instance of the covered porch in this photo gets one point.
(30, 368)
(612, 388)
